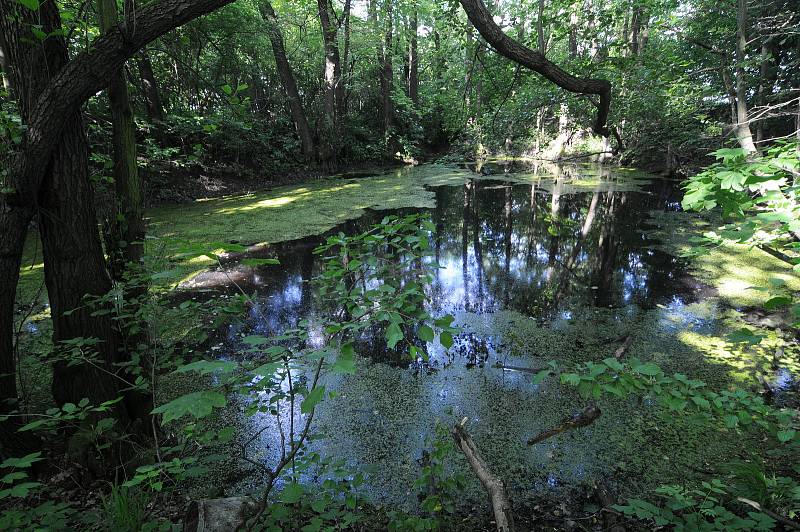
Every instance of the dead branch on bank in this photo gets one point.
(501, 506)
(585, 418)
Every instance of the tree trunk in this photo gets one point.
(331, 76)
(387, 70)
(127, 245)
(49, 177)
(505, 45)
(152, 94)
(287, 80)
(743, 133)
(341, 89)
(540, 28)
(4, 68)
(413, 58)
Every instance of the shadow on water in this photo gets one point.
(520, 254)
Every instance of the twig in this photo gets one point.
(624, 347)
(584, 419)
(783, 520)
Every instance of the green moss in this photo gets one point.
(732, 268)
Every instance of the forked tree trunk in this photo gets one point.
(48, 177)
(287, 80)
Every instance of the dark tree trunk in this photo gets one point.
(341, 84)
(4, 68)
(505, 45)
(152, 93)
(48, 177)
(127, 241)
(287, 80)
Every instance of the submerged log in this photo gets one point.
(501, 506)
(219, 515)
(585, 418)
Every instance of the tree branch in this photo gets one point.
(536, 61)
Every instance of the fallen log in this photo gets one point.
(219, 515)
(501, 506)
(585, 418)
(620, 352)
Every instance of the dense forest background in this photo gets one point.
(110, 107)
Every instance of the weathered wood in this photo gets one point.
(584, 419)
(219, 515)
(501, 506)
(620, 352)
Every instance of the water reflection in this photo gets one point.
(548, 256)
(499, 246)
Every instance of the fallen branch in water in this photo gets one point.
(501, 506)
(519, 368)
(624, 347)
(585, 418)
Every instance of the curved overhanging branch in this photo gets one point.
(87, 74)
(480, 17)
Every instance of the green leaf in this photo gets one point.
(786, 435)
(204, 367)
(393, 335)
(541, 376)
(777, 301)
(745, 335)
(311, 400)
(197, 404)
(260, 262)
(446, 339)
(292, 493)
(33, 5)
(425, 334)
(25, 461)
(344, 362)
(649, 369)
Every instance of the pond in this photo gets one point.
(535, 265)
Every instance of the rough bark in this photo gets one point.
(534, 60)
(51, 175)
(288, 81)
(152, 93)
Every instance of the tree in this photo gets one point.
(287, 80)
(50, 179)
(480, 17)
